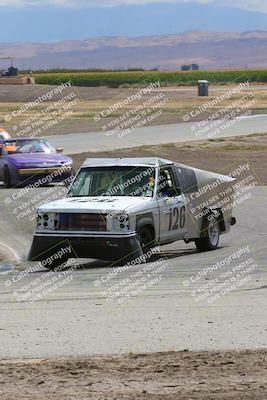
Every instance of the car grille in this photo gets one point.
(82, 222)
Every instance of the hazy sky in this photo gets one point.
(56, 20)
(253, 5)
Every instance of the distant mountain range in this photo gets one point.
(49, 21)
(209, 50)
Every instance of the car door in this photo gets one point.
(171, 205)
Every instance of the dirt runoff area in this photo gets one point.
(170, 376)
(176, 102)
(218, 155)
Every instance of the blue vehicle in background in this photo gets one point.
(26, 161)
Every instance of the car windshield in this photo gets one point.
(28, 146)
(114, 181)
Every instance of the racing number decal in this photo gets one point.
(182, 217)
(177, 219)
(174, 213)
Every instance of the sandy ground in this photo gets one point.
(178, 101)
(214, 155)
(172, 376)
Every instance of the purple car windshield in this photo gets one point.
(30, 146)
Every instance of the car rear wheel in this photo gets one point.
(212, 236)
(7, 180)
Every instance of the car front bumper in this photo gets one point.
(26, 177)
(42, 171)
(97, 246)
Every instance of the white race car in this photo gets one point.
(118, 209)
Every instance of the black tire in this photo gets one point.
(212, 236)
(7, 180)
(145, 238)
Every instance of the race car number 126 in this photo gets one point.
(177, 218)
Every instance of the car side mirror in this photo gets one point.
(60, 150)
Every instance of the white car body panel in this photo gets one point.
(172, 217)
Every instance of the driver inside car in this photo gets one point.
(163, 185)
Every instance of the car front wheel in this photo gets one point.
(145, 238)
(7, 180)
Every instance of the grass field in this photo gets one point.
(143, 78)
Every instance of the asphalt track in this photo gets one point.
(76, 319)
(77, 143)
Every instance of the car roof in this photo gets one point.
(24, 138)
(112, 162)
(203, 176)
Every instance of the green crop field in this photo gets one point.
(143, 78)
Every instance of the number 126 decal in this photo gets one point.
(177, 218)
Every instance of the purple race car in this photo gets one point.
(26, 161)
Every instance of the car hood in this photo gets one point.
(97, 204)
(38, 160)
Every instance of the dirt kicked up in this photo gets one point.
(170, 376)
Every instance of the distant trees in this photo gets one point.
(186, 67)
(190, 67)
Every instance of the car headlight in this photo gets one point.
(121, 222)
(46, 220)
